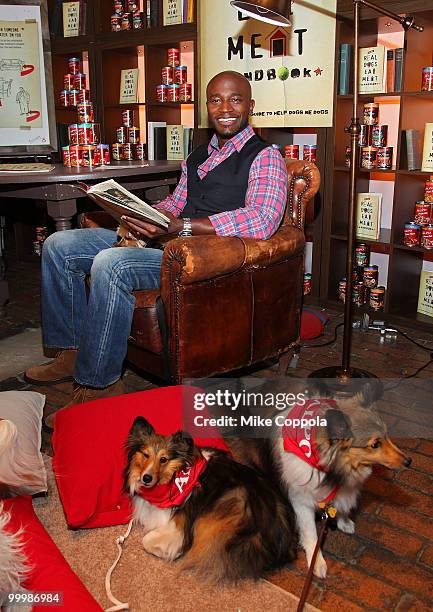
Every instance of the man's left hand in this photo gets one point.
(141, 229)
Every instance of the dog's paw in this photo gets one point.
(346, 525)
(320, 567)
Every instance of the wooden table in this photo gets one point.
(58, 191)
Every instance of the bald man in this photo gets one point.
(235, 186)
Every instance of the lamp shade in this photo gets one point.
(275, 12)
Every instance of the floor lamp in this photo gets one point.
(277, 12)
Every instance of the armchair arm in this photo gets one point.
(303, 184)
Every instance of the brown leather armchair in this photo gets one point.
(224, 303)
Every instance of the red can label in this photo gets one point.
(75, 156)
(427, 237)
(173, 57)
(133, 135)
(307, 284)
(116, 23)
(162, 93)
(377, 298)
(104, 154)
(292, 151)
(310, 153)
(66, 158)
(119, 8)
(127, 151)
(84, 95)
(116, 151)
(74, 64)
(73, 134)
(88, 154)
(422, 213)
(140, 150)
(85, 112)
(185, 92)
(131, 6)
(121, 135)
(73, 98)
(87, 134)
(167, 75)
(128, 118)
(126, 23)
(371, 276)
(80, 81)
(427, 79)
(68, 81)
(412, 234)
(173, 93)
(369, 158)
(180, 75)
(379, 135)
(428, 191)
(348, 156)
(137, 20)
(64, 98)
(364, 138)
(384, 158)
(371, 113)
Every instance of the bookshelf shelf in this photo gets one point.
(364, 171)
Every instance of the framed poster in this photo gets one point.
(291, 70)
(27, 117)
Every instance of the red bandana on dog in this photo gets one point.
(177, 491)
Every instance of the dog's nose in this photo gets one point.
(407, 462)
(147, 478)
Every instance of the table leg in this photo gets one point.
(62, 213)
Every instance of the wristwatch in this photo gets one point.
(187, 227)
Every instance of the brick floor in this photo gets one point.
(388, 563)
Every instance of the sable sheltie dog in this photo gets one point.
(343, 451)
(220, 516)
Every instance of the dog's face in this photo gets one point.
(153, 458)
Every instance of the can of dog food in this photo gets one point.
(377, 298)
(173, 57)
(379, 135)
(116, 151)
(371, 113)
(73, 97)
(85, 112)
(85, 134)
(64, 98)
(116, 23)
(140, 151)
(84, 95)
(66, 157)
(348, 156)
(162, 93)
(291, 151)
(126, 23)
(428, 190)
(358, 294)
(167, 75)
(364, 138)
(133, 135)
(75, 156)
(73, 134)
(427, 79)
(103, 151)
(412, 234)
(118, 8)
(128, 118)
(371, 276)
(74, 65)
(384, 158)
(310, 153)
(369, 158)
(185, 92)
(127, 151)
(68, 81)
(342, 289)
(121, 134)
(131, 6)
(427, 236)
(180, 75)
(362, 255)
(88, 154)
(80, 81)
(173, 92)
(137, 20)
(422, 214)
(307, 284)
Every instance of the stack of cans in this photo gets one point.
(365, 282)
(84, 147)
(127, 16)
(41, 235)
(419, 232)
(128, 145)
(373, 141)
(309, 152)
(174, 85)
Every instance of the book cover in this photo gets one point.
(160, 142)
(190, 16)
(184, 11)
(410, 150)
(372, 69)
(83, 17)
(175, 142)
(398, 78)
(172, 12)
(368, 214)
(151, 125)
(187, 141)
(344, 69)
(425, 294)
(71, 19)
(153, 11)
(427, 154)
(128, 86)
(390, 70)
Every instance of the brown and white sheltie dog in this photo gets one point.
(330, 463)
(220, 516)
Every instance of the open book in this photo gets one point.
(118, 201)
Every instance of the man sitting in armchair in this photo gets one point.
(235, 186)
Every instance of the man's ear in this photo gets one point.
(337, 425)
(252, 105)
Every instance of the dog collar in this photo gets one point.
(176, 492)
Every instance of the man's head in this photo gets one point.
(229, 103)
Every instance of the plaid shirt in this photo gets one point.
(266, 195)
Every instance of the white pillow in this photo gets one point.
(22, 469)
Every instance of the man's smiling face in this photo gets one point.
(229, 104)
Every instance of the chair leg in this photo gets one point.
(286, 359)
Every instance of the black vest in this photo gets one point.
(225, 187)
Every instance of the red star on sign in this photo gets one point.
(318, 71)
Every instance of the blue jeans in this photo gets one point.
(99, 327)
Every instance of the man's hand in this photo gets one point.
(141, 229)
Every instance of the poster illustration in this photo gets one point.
(291, 70)
(20, 80)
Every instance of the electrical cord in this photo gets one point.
(418, 344)
(324, 343)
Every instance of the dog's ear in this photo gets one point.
(337, 425)
(181, 444)
(371, 392)
(141, 427)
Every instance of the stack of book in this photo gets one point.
(380, 69)
(178, 11)
(171, 142)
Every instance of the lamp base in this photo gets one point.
(342, 382)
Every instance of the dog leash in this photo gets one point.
(118, 605)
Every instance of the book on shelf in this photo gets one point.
(188, 133)
(160, 136)
(190, 15)
(427, 154)
(71, 19)
(344, 69)
(151, 149)
(153, 10)
(175, 142)
(410, 150)
(372, 74)
(390, 70)
(425, 294)
(118, 201)
(128, 86)
(172, 12)
(368, 215)
(398, 75)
